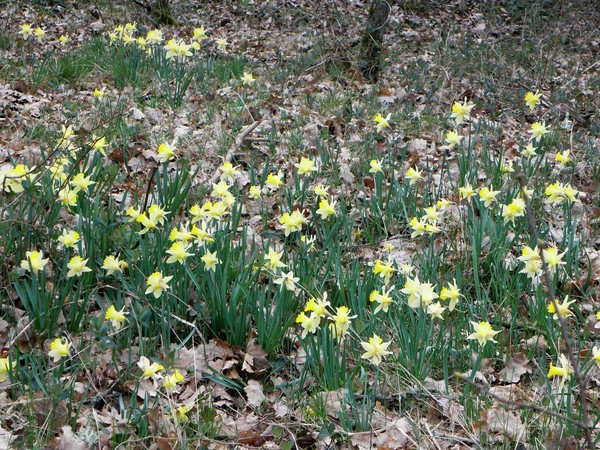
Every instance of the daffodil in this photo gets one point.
(432, 228)
(305, 166)
(413, 175)
(308, 241)
(255, 192)
(150, 370)
(181, 234)
(178, 253)
(461, 111)
(34, 261)
(63, 40)
(229, 172)
(146, 222)
(318, 306)
(384, 270)
(199, 33)
(100, 144)
(375, 349)
(202, 234)
(376, 166)
(559, 193)
(210, 261)
(154, 37)
(436, 310)
(165, 152)
(247, 79)
(69, 238)
(81, 183)
(26, 31)
(273, 260)
(157, 284)
(406, 269)
(341, 321)
(538, 129)
(383, 299)
(59, 348)
(532, 99)
(513, 210)
(309, 324)
(287, 280)
(466, 192)
(533, 269)
(116, 317)
(564, 371)
(443, 204)
(67, 197)
(222, 44)
(133, 213)
(220, 190)
(39, 33)
(6, 365)
(273, 182)
(595, 357)
(419, 227)
(291, 222)
(326, 209)
(412, 288)
(432, 214)
(529, 151)
(562, 159)
(382, 122)
(181, 412)
(553, 258)
(487, 196)
(157, 214)
(453, 139)
(77, 266)
(452, 293)
(563, 308)
(171, 381)
(483, 333)
(424, 297)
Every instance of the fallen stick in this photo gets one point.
(239, 141)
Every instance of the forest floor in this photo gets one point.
(246, 245)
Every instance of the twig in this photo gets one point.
(150, 179)
(143, 5)
(561, 320)
(239, 141)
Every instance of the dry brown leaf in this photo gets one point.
(68, 440)
(516, 367)
(535, 342)
(6, 438)
(508, 393)
(501, 421)
(254, 391)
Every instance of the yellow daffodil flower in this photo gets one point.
(375, 349)
(157, 284)
(483, 333)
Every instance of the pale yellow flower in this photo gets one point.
(116, 317)
(532, 99)
(375, 349)
(483, 332)
(59, 348)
